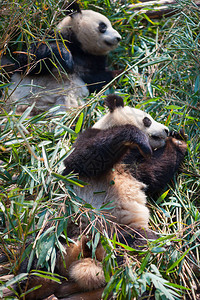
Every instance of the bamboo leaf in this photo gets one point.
(79, 123)
(30, 173)
(176, 263)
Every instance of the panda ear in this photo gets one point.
(73, 8)
(113, 101)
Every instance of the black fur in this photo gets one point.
(147, 122)
(113, 101)
(96, 151)
(73, 8)
(157, 171)
(42, 58)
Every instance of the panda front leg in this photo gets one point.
(42, 57)
(97, 151)
(157, 171)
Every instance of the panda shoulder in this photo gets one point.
(89, 133)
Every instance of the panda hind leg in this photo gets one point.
(87, 273)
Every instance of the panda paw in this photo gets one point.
(179, 139)
(87, 273)
(181, 145)
(66, 59)
(181, 135)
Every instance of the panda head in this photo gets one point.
(92, 30)
(121, 115)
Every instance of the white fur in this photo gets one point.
(59, 88)
(85, 25)
(47, 92)
(128, 115)
(123, 192)
(87, 273)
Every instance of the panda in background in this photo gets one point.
(79, 50)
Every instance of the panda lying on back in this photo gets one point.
(123, 157)
(125, 153)
(83, 40)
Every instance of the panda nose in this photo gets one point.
(166, 131)
(118, 39)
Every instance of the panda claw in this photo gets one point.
(179, 135)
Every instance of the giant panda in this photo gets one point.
(124, 157)
(79, 50)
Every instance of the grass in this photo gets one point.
(160, 59)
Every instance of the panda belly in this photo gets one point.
(47, 91)
(123, 193)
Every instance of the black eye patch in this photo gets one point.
(102, 27)
(147, 122)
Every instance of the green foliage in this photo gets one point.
(160, 62)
